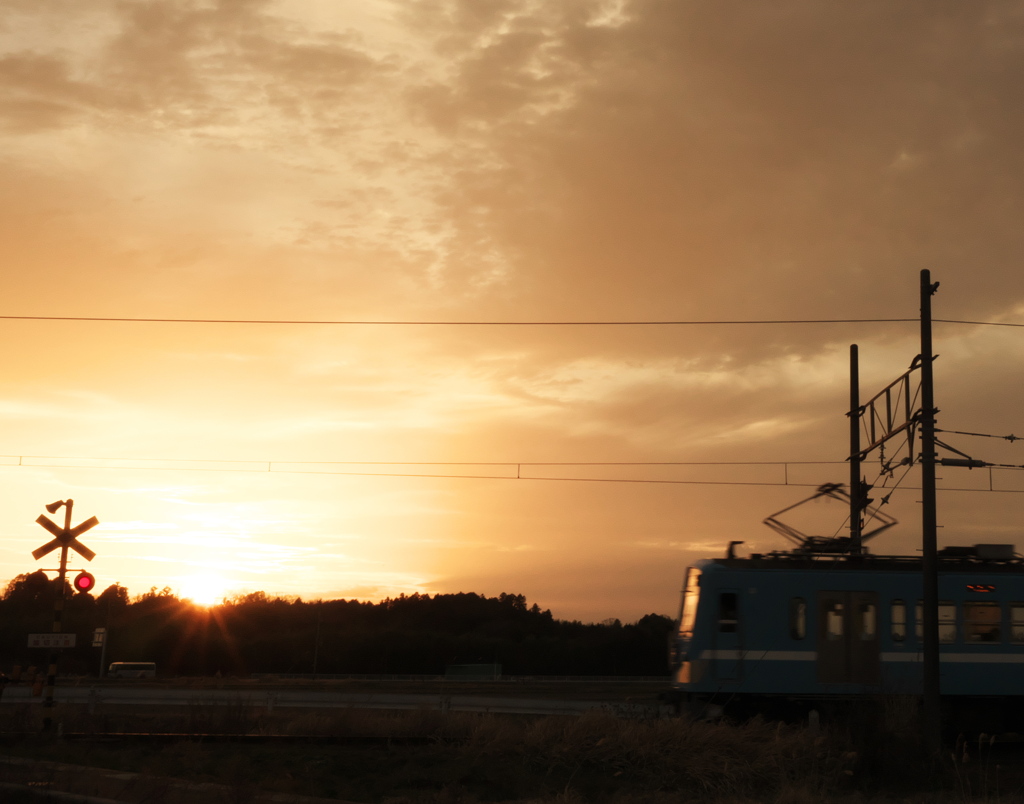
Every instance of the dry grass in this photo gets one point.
(432, 757)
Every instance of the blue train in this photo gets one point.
(810, 627)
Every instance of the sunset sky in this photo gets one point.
(526, 163)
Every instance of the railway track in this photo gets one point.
(270, 700)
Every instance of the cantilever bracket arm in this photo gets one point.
(944, 445)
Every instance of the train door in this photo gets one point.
(727, 636)
(848, 651)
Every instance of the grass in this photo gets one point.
(431, 757)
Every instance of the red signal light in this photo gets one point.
(84, 582)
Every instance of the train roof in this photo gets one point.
(1001, 558)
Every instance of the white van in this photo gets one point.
(132, 670)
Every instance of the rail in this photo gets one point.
(500, 679)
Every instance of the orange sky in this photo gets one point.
(498, 160)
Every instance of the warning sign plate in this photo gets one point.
(51, 640)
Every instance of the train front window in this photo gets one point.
(1017, 623)
(899, 620)
(727, 616)
(982, 621)
(691, 596)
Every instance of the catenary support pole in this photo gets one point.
(929, 549)
(856, 492)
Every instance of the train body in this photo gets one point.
(814, 628)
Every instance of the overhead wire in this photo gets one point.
(872, 515)
(1011, 438)
(417, 463)
(339, 468)
(423, 322)
(354, 322)
(977, 323)
(419, 323)
(268, 467)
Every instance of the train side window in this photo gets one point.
(834, 620)
(947, 621)
(797, 618)
(982, 621)
(1017, 623)
(727, 616)
(898, 615)
(868, 621)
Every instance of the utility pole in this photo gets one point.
(886, 415)
(857, 503)
(929, 542)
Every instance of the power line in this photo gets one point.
(394, 323)
(976, 323)
(274, 467)
(1011, 438)
(425, 323)
(263, 463)
(281, 467)
(344, 467)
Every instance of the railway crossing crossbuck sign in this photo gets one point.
(65, 537)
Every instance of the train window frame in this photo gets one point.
(1017, 622)
(797, 618)
(982, 630)
(948, 631)
(898, 620)
(728, 604)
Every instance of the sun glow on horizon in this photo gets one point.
(204, 588)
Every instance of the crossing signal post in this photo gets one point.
(65, 538)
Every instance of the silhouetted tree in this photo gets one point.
(30, 591)
(415, 634)
(115, 596)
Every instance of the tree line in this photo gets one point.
(255, 633)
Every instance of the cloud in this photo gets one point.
(716, 159)
(509, 160)
(40, 93)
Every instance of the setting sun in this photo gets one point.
(204, 589)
